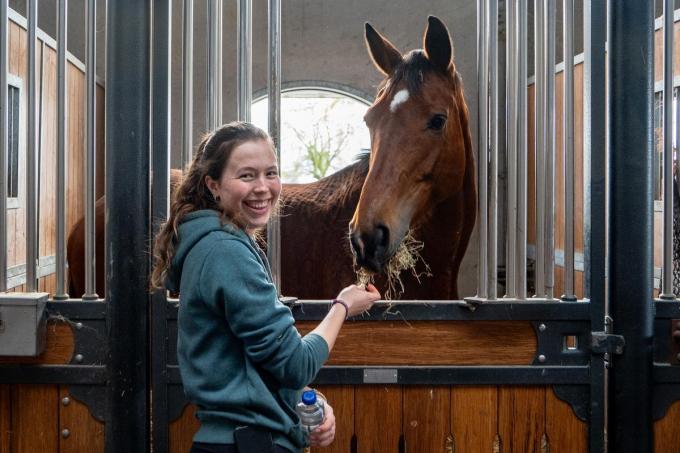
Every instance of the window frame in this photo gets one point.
(16, 82)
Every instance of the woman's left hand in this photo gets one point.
(323, 435)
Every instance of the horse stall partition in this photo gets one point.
(522, 366)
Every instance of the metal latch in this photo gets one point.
(606, 343)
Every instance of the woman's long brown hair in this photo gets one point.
(192, 194)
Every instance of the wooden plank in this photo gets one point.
(35, 418)
(86, 434)
(59, 347)
(566, 433)
(432, 343)
(474, 418)
(182, 430)
(666, 432)
(5, 418)
(427, 418)
(341, 398)
(378, 418)
(521, 418)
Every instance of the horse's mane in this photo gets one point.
(332, 191)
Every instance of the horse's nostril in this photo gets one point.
(357, 244)
(382, 236)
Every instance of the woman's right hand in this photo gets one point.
(359, 299)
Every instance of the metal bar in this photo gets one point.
(667, 309)
(522, 154)
(631, 103)
(511, 66)
(161, 30)
(61, 150)
(482, 146)
(667, 280)
(90, 150)
(664, 373)
(53, 374)
(274, 97)
(77, 309)
(539, 135)
(244, 61)
(31, 156)
(214, 65)
(568, 150)
(187, 83)
(128, 223)
(549, 247)
(4, 132)
(493, 151)
(594, 171)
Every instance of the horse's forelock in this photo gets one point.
(412, 71)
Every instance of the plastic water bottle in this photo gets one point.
(310, 409)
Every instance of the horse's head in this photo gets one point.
(419, 136)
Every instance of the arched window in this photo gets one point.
(322, 131)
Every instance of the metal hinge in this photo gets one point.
(606, 343)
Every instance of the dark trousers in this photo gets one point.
(202, 447)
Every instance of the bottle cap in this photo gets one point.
(309, 397)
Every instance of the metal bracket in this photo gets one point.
(606, 343)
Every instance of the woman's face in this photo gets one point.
(249, 186)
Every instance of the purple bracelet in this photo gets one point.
(341, 302)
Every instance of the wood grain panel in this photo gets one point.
(35, 418)
(182, 430)
(666, 432)
(474, 418)
(341, 398)
(431, 343)
(379, 418)
(86, 432)
(566, 433)
(5, 418)
(59, 347)
(521, 418)
(427, 418)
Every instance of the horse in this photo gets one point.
(418, 177)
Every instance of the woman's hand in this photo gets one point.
(358, 299)
(323, 435)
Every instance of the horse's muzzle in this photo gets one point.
(371, 248)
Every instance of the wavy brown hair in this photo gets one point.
(192, 194)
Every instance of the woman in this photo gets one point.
(242, 361)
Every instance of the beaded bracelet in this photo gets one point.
(341, 302)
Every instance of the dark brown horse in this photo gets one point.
(419, 177)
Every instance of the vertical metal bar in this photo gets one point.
(568, 150)
(549, 24)
(482, 145)
(214, 80)
(274, 97)
(61, 150)
(161, 29)
(493, 151)
(4, 35)
(244, 60)
(31, 156)
(187, 83)
(630, 238)
(522, 154)
(218, 63)
(511, 134)
(90, 149)
(667, 289)
(540, 114)
(594, 171)
(128, 224)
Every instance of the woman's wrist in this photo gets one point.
(343, 303)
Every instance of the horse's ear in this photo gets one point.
(385, 56)
(437, 43)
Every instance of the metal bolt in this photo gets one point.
(542, 327)
(79, 325)
(541, 358)
(65, 433)
(79, 358)
(66, 401)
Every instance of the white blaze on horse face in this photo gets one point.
(399, 98)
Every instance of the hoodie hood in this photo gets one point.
(194, 227)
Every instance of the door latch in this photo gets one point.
(606, 343)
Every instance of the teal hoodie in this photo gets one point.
(241, 359)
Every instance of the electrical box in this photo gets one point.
(23, 324)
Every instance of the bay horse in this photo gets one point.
(418, 176)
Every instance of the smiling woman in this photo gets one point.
(323, 131)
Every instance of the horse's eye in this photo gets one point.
(437, 122)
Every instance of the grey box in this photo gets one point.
(23, 324)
